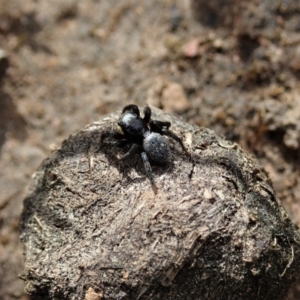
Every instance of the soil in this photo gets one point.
(229, 65)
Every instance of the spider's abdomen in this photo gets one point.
(157, 148)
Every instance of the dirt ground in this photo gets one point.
(229, 65)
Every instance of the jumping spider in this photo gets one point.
(145, 136)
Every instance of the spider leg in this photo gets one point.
(148, 170)
(158, 126)
(119, 141)
(132, 149)
(112, 134)
(147, 114)
(176, 138)
(163, 128)
(132, 108)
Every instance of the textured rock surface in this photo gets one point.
(93, 228)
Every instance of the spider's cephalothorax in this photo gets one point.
(145, 136)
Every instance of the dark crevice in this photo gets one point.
(246, 45)
(192, 171)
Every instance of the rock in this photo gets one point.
(191, 48)
(168, 95)
(92, 226)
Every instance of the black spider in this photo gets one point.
(145, 135)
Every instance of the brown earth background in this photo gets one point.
(230, 65)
